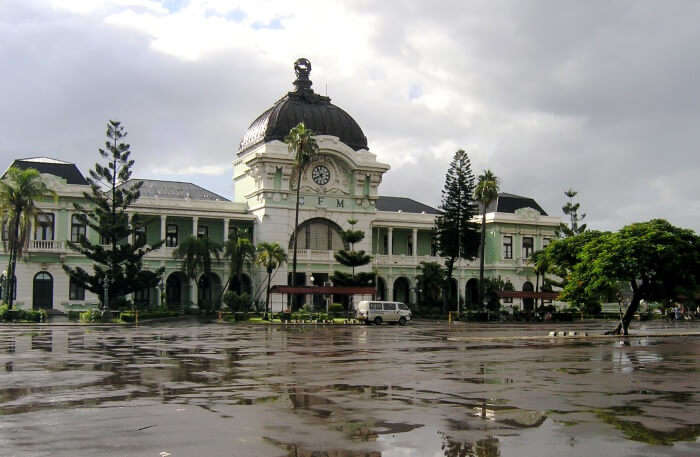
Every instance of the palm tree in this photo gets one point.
(19, 190)
(196, 254)
(239, 250)
(270, 256)
(302, 144)
(486, 191)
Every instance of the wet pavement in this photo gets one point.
(191, 389)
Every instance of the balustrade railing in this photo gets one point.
(46, 245)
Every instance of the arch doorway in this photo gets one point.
(174, 291)
(401, 290)
(472, 293)
(381, 288)
(245, 287)
(43, 291)
(209, 290)
(528, 303)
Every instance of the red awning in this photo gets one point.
(323, 290)
(522, 294)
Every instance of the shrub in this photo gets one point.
(21, 315)
(91, 316)
(236, 302)
(336, 310)
(130, 316)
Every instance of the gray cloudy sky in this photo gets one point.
(599, 96)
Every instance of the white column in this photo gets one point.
(193, 292)
(415, 244)
(390, 288)
(163, 227)
(226, 230)
(391, 241)
(195, 221)
(130, 217)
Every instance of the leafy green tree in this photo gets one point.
(430, 281)
(302, 144)
(486, 192)
(658, 260)
(19, 191)
(456, 235)
(491, 289)
(270, 256)
(116, 262)
(571, 209)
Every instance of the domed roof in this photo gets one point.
(303, 105)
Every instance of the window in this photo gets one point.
(77, 228)
(140, 235)
(375, 306)
(545, 242)
(389, 306)
(171, 236)
(508, 247)
(202, 231)
(319, 234)
(403, 307)
(527, 247)
(75, 292)
(141, 297)
(44, 227)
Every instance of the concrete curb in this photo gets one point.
(568, 337)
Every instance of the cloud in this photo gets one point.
(596, 96)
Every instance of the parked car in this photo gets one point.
(383, 311)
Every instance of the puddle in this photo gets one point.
(348, 391)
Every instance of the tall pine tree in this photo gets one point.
(117, 261)
(571, 210)
(353, 259)
(456, 235)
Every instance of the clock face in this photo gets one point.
(321, 175)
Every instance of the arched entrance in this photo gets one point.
(402, 289)
(381, 288)
(209, 290)
(471, 292)
(43, 291)
(528, 303)
(318, 234)
(174, 290)
(246, 286)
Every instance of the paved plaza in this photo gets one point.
(192, 389)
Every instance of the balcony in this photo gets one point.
(314, 255)
(46, 246)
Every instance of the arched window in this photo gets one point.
(319, 234)
(77, 227)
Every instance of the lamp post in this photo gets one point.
(105, 300)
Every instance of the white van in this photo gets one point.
(383, 311)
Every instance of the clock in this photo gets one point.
(321, 175)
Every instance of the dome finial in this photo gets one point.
(302, 68)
